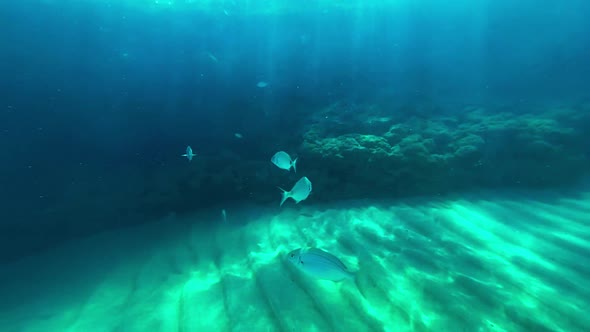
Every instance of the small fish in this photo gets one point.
(238, 135)
(283, 161)
(319, 264)
(189, 153)
(300, 191)
(212, 57)
(223, 215)
(262, 84)
(226, 12)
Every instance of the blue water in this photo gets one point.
(379, 100)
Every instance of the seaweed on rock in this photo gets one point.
(475, 147)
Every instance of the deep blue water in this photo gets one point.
(98, 96)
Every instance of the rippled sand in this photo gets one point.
(481, 263)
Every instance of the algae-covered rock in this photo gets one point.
(397, 133)
(467, 148)
(346, 157)
(476, 146)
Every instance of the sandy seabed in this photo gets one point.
(487, 262)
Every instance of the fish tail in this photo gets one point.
(294, 164)
(285, 195)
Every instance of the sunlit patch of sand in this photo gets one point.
(474, 264)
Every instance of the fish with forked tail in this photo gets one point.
(299, 192)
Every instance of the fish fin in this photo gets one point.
(294, 164)
(185, 155)
(304, 250)
(285, 195)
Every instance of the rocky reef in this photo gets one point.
(372, 152)
(365, 151)
(352, 151)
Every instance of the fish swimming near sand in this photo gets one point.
(299, 192)
(283, 161)
(319, 264)
(189, 153)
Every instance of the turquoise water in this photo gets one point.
(447, 145)
(484, 262)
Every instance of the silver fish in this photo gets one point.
(189, 153)
(283, 161)
(212, 57)
(299, 192)
(319, 264)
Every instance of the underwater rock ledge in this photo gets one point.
(362, 151)
(476, 148)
